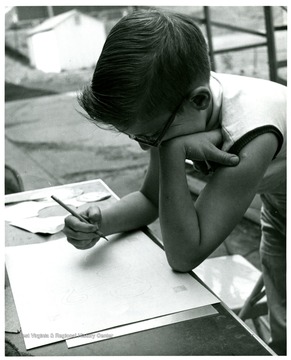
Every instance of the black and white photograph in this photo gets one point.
(145, 179)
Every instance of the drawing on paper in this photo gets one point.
(179, 288)
(132, 287)
(74, 296)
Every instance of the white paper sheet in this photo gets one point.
(24, 210)
(141, 326)
(62, 193)
(94, 196)
(48, 225)
(61, 292)
(29, 209)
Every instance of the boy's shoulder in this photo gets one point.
(249, 106)
(232, 82)
(248, 92)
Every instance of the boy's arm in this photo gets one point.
(133, 211)
(137, 209)
(141, 208)
(191, 232)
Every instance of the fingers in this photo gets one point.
(83, 245)
(75, 224)
(215, 136)
(80, 234)
(76, 229)
(221, 157)
(217, 155)
(81, 240)
(94, 215)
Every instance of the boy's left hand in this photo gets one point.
(202, 148)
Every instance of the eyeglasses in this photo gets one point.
(155, 142)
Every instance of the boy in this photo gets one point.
(153, 82)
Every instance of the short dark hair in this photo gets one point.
(148, 63)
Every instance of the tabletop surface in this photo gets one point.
(219, 334)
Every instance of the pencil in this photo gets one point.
(78, 216)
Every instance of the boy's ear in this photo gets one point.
(200, 98)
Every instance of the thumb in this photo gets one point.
(221, 157)
(94, 215)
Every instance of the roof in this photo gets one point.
(53, 22)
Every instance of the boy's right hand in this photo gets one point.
(80, 234)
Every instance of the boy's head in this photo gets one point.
(148, 64)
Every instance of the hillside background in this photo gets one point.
(23, 81)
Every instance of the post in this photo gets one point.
(50, 11)
(209, 36)
(271, 43)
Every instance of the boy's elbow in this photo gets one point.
(184, 259)
(183, 266)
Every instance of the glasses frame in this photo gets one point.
(156, 142)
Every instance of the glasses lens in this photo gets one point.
(143, 140)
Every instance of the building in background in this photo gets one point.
(69, 41)
(40, 13)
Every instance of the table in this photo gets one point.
(220, 334)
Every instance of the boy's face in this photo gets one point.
(154, 138)
(183, 121)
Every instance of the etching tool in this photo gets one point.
(81, 218)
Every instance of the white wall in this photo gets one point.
(44, 53)
(74, 44)
(80, 44)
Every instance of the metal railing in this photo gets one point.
(269, 40)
